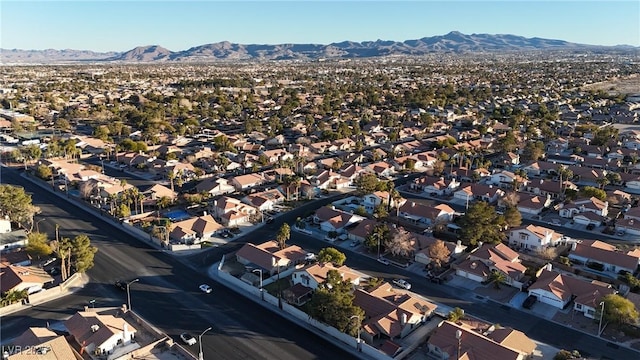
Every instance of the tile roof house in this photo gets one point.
(313, 275)
(381, 168)
(18, 278)
(421, 244)
(245, 182)
(215, 187)
(433, 185)
(592, 204)
(264, 200)
(588, 251)
(533, 237)
(195, 229)
(628, 226)
(391, 313)
(331, 219)
(482, 192)
(558, 290)
(362, 230)
(232, 212)
(533, 204)
(41, 344)
(426, 214)
(504, 344)
(100, 334)
(380, 198)
(268, 256)
(493, 257)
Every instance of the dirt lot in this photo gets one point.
(615, 86)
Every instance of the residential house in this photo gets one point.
(39, 343)
(558, 290)
(390, 313)
(273, 156)
(20, 257)
(460, 341)
(628, 226)
(532, 237)
(506, 180)
(482, 192)
(363, 229)
(195, 229)
(265, 200)
(371, 201)
(100, 334)
(331, 219)
(18, 278)
(422, 243)
(269, 257)
(313, 275)
(232, 212)
(493, 257)
(248, 181)
(584, 205)
(633, 185)
(324, 179)
(594, 251)
(381, 169)
(426, 214)
(533, 204)
(434, 186)
(215, 186)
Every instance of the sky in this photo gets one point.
(119, 25)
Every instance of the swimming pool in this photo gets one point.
(177, 215)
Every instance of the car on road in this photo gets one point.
(205, 288)
(383, 261)
(188, 339)
(529, 301)
(402, 283)
(121, 285)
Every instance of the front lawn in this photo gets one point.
(272, 288)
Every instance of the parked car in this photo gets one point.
(205, 288)
(310, 256)
(529, 301)
(188, 339)
(402, 283)
(383, 261)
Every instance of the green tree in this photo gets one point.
(123, 211)
(455, 315)
(38, 244)
(590, 191)
(512, 216)
(16, 204)
(481, 223)
(361, 211)
(497, 278)
(366, 183)
(618, 310)
(44, 172)
(283, 235)
(81, 253)
(380, 211)
(332, 255)
(13, 296)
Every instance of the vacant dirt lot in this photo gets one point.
(615, 86)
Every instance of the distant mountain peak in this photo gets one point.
(452, 42)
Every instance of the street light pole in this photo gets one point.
(261, 290)
(358, 340)
(93, 303)
(601, 314)
(459, 337)
(200, 357)
(38, 224)
(128, 294)
(378, 234)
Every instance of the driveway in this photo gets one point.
(461, 282)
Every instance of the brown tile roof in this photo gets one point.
(198, 225)
(12, 276)
(564, 287)
(473, 346)
(364, 228)
(59, 349)
(325, 213)
(34, 336)
(605, 253)
(79, 325)
(260, 257)
(513, 339)
(319, 272)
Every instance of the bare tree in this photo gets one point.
(400, 244)
(439, 253)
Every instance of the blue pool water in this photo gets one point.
(177, 215)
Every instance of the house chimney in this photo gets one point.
(204, 213)
(403, 319)
(413, 204)
(480, 243)
(549, 267)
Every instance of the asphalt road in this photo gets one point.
(167, 294)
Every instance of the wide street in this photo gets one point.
(236, 333)
(167, 294)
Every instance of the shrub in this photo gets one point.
(565, 260)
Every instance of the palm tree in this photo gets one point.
(498, 278)
(171, 175)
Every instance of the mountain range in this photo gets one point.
(453, 42)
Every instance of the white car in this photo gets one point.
(402, 283)
(205, 288)
(188, 339)
(310, 256)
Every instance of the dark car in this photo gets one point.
(529, 301)
(121, 285)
